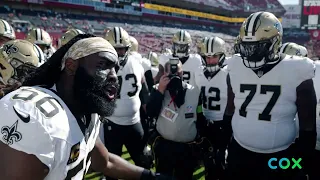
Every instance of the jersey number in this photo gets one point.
(54, 110)
(265, 115)
(186, 76)
(207, 101)
(74, 171)
(134, 85)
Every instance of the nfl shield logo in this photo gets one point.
(189, 109)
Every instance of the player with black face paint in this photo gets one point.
(52, 123)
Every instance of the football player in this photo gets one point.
(211, 80)
(41, 38)
(6, 32)
(134, 54)
(67, 36)
(51, 126)
(18, 58)
(181, 49)
(293, 49)
(265, 91)
(133, 51)
(153, 57)
(124, 126)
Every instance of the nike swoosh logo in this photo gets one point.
(24, 119)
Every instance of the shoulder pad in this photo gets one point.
(24, 128)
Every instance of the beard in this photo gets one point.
(91, 93)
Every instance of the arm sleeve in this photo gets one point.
(149, 79)
(28, 137)
(155, 103)
(144, 94)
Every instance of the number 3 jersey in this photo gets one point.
(265, 107)
(36, 121)
(128, 101)
(214, 93)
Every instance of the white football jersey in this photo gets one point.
(146, 64)
(214, 92)
(316, 82)
(265, 107)
(190, 67)
(128, 103)
(38, 122)
(154, 71)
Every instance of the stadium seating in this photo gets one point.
(152, 36)
(243, 6)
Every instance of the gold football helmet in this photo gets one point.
(153, 57)
(259, 39)
(213, 51)
(181, 44)
(17, 59)
(120, 40)
(39, 37)
(67, 36)
(293, 49)
(6, 32)
(134, 44)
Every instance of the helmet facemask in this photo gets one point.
(181, 50)
(256, 54)
(214, 67)
(122, 57)
(21, 70)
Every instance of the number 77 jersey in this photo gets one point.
(264, 101)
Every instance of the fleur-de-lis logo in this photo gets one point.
(10, 48)
(11, 134)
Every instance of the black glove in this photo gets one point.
(149, 175)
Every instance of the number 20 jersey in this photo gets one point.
(214, 93)
(265, 107)
(128, 103)
(52, 133)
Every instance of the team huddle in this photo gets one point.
(68, 111)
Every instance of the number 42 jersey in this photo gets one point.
(265, 107)
(214, 93)
(36, 121)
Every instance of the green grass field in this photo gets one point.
(197, 175)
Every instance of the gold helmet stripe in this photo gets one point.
(117, 35)
(252, 22)
(38, 34)
(255, 24)
(39, 53)
(209, 45)
(182, 35)
(7, 27)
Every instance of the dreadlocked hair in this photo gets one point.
(49, 73)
